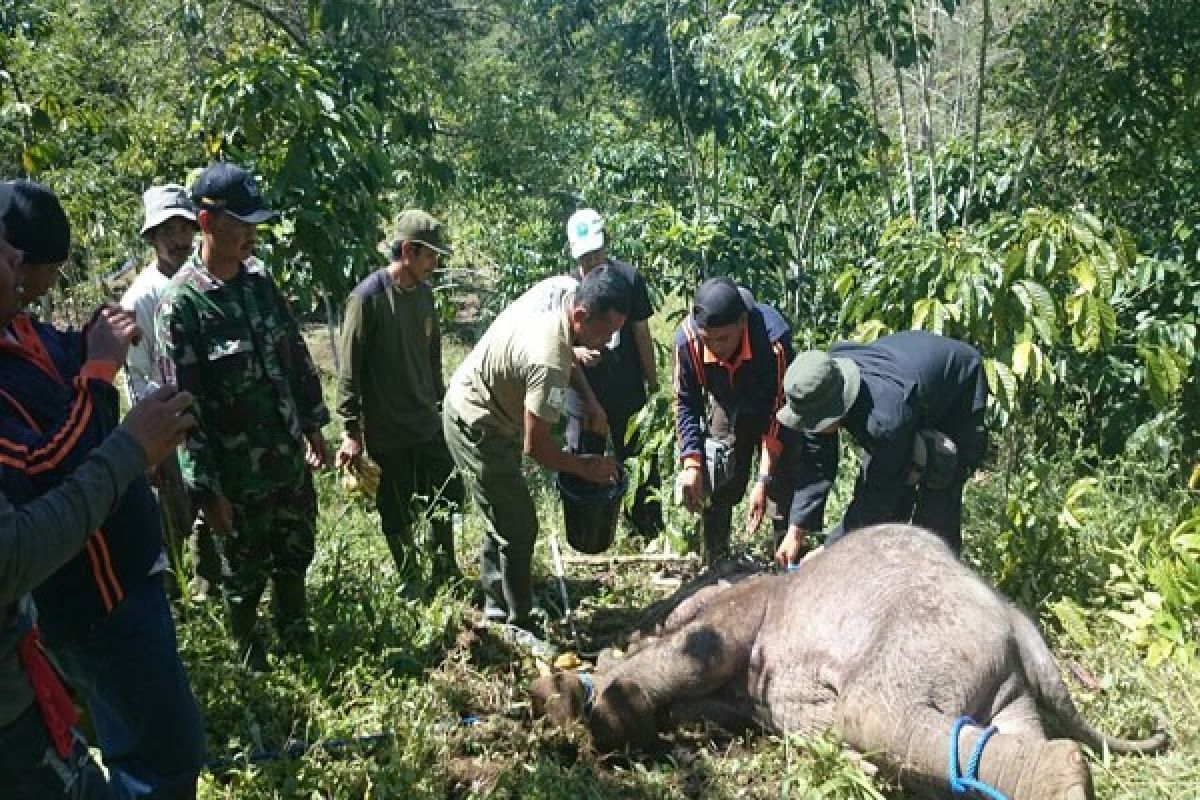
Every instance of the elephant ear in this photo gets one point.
(623, 715)
(559, 698)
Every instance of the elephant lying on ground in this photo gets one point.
(884, 637)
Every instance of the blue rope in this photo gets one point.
(961, 785)
(589, 688)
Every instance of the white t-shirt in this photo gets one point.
(141, 367)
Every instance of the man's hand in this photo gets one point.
(691, 483)
(756, 506)
(159, 422)
(586, 356)
(597, 469)
(792, 548)
(317, 452)
(218, 514)
(110, 333)
(350, 452)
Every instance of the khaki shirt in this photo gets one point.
(522, 363)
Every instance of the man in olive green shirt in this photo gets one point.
(390, 389)
(501, 404)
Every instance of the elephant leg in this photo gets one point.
(914, 741)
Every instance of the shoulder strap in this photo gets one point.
(691, 335)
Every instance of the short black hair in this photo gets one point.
(397, 248)
(603, 290)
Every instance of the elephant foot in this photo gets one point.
(1037, 770)
(1061, 772)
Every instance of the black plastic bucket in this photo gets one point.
(591, 511)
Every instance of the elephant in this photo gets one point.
(884, 637)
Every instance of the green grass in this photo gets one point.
(414, 668)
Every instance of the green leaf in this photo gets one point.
(1084, 274)
(1001, 382)
(921, 312)
(1074, 623)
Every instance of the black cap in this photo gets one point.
(33, 221)
(718, 302)
(233, 190)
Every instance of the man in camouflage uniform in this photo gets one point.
(227, 336)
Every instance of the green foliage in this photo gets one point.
(1013, 286)
(1157, 580)
(319, 153)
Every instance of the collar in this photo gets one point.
(22, 340)
(742, 355)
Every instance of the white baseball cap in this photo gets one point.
(585, 232)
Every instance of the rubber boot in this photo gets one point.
(290, 607)
(208, 568)
(445, 566)
(243, 622)
(715, 530)
(400, 544)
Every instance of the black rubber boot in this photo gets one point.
(243, 622)
(290, 606)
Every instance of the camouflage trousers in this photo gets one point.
(273, 539)
(181, 532)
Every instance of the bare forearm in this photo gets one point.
(645, 349)
(579, 383)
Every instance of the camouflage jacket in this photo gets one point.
(237, 348)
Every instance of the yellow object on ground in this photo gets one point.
(361, 477)
(1194, 480)
(567, 661)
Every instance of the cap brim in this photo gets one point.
(588, 244)
(789, 419)
(254, 217)
(164, 215)
(441, 251)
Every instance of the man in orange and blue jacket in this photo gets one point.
(734, 351)
(104, 614)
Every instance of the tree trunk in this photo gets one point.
(905, 148)
(885, 177)
(689, 142)
(924, 77)
(986, 30)
(1044, 117)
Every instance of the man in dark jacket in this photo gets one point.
(734, 351)
(103, 614)
(390, 392)
(622, 373)
(914, 402)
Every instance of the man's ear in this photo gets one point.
(204, 220)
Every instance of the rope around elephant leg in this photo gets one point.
(961, 785)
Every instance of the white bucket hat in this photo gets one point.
(164, 202)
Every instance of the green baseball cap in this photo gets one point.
(820, 390)
(415, 225)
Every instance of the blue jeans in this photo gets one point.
(30, 769)
(127, 670)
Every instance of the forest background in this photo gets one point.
(1024, 175)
